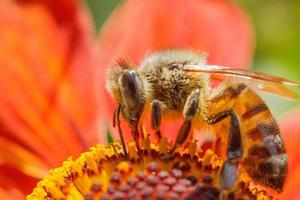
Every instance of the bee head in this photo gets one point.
(126, 88)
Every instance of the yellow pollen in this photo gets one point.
(192, 148)
(207, 157)
(146, 144)
(124, 167)
(132, 151)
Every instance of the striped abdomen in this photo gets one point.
(264, 155)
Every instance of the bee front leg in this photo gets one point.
(190, 109)
(156, 117)
(234, 151)
(116, 120)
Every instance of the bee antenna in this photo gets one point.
(124, 63)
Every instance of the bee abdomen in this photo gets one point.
(266, 160)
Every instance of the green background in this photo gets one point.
(277, 28)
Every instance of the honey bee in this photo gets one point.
(177, 83)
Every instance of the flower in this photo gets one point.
(104, 172)
(52, 77)
(290, 128)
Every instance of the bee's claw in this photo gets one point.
(228, 174)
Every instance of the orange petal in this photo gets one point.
(48, 108)
(14, 183)
(217, 27)
(47, 93)
(63, 11)
(20, 157)
(4, 194)
(290, 127)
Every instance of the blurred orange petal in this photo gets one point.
(14, 183)
(22, 158)
(48, 105)
(4, 194)
(290, 128)
(218, 27)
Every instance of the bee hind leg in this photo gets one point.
(191, 107)
(234, 150)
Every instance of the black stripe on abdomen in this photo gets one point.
(230, 93)
(255, 111)
(236, 91)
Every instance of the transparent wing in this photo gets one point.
(258, 80)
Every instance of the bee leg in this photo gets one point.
(156, 117)
(189, 111)
(136, 135)
(234, 150)
(116, 120)
(141, 130)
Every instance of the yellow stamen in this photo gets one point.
(192, 148)
(207, 157)
(163, 146)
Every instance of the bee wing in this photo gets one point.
(259, 80)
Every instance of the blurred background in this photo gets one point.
(277, 31)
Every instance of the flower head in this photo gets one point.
(104, 172)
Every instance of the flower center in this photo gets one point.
(151, 173)
(155, 183)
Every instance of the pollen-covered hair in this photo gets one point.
(163, 58)
(112, 78)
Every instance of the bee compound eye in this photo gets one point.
(129, 88)
(132, 92)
